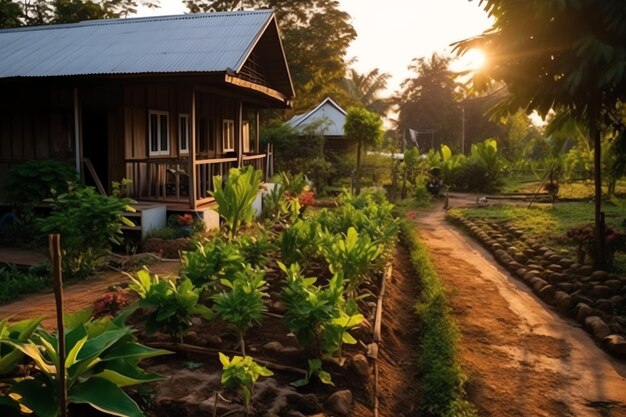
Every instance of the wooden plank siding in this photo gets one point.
(38, 123)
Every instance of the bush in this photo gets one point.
(14, 283)
(89, 223)
(212, 261)
(29, 183)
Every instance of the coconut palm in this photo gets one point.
(366, 89)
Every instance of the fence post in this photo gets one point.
(57, 283)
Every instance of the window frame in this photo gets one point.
(187, 118)
(159, 129)
(228, 125)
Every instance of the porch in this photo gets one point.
(168, 180)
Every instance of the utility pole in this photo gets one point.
(462, 129)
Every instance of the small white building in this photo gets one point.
(330, 118)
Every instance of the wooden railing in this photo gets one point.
(167, 180)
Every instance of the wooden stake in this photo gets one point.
(57, 283)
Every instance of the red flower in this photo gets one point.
(307, 199)
(185, 220)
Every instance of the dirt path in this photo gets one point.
(76, 296)
(521, 357)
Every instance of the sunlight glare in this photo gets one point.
(473, 60)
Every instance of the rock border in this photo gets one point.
(594, 299)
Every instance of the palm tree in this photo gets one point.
(366, 89)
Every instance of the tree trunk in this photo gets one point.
(357, 176)
(600, 260)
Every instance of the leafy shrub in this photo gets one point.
(299, 243)
(241, 304)
(14, 283)
(585, 240)
(30, 182)
(169, 304)
(352, 256)
(89, 223)
(240, 374)
(255, 247)
(319, 317)
(18, 332)
(212, 261)
(102, 356)
(235, 196)
(110, 304)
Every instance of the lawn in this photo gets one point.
(579, 190)
(550, 224)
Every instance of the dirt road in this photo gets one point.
(521, 357)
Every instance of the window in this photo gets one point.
(158, 132)
(183, 133)
(245, 136)
(228, 136)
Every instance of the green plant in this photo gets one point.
(110, 304)
(102, 356)
(14, 283)
(212, 261)
(299, 243)
(88, 223)
(169, 303)
(240, 374)
(314, 369)
(17, 332)
(235, 196)
(255, 247)
(318, 317)
(443, 392)
(352, 256)
(31, 182)
(241, 304)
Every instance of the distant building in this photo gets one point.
(331, 118)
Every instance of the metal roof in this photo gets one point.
(300, 119)
(204, 43)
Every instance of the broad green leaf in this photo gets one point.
(72, 320)
(123, 374)
(38, 396)
(224, 359)
(325, 378)
(104, 396)
(9, 407)
(30, 349)
(347, 338)
(73, 354)
(94, 347)
(134, 351)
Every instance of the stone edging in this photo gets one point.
(592, 298)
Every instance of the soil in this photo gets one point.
(521, 357)
(192, 379)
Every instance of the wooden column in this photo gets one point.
(257, 132)
(238, 133)
(77, 138)
(192, 152)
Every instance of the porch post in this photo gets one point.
(192, 152)
(257, 132)
(238, 132)
(77, 138)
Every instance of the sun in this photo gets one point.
(471, 61)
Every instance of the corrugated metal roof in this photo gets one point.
(208, 42)
(299, 119)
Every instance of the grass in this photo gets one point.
(442, 390)
(575, 190)
(549, 224)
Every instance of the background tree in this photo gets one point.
(366, 89)
(41, 12)
(364, 127)
(316, 35)
(10, 14)
(568, 55)
(427, 101)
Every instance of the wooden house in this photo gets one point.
(328, 118)
(167, 102)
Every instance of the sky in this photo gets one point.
(392, 33)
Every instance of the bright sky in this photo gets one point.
(393, 32)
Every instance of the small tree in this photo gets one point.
(366, 128)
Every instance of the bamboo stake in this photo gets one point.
(57, 281)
